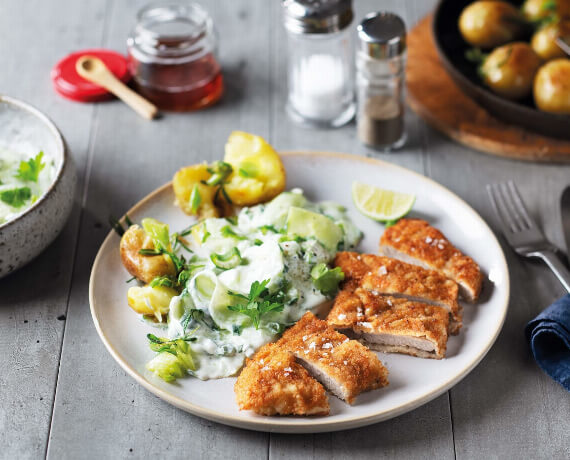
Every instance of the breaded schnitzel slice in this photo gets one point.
(389, 324)
(387, 276)
(417, 242)
(273, 383)
(345, 367)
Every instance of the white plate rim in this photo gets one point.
(276, 424)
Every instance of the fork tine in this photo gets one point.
(511, 207)
(520, 204)
(499, 208)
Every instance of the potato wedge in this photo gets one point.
(258, 173)
(144, 268)
(184, 182)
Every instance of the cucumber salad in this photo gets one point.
(234, 284)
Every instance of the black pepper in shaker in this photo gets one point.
(380, 67)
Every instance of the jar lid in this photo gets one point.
(71, 85)
(382, 35)
(316, 16)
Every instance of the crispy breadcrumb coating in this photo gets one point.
(345, 367)
(273, 383)
(416, 241)
(391, 324)
(386, 276)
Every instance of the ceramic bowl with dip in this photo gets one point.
(37, 183)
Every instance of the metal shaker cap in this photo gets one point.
(382, 35)
(316, 16)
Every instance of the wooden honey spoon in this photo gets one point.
(94, 69)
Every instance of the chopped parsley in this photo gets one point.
(29, 171)
(16, 197)
(259, 302)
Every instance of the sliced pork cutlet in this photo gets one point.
(415, 241)
(386, 276)
(345, 367)
(390, 324)
(273, 383)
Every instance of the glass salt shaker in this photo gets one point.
(380, 80)
(319, 70)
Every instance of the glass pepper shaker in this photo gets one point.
(380, 80)
(172, 57)
(319, 74)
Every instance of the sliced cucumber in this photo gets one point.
(230, 259)
(301, 222)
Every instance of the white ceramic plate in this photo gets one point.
(413, 381)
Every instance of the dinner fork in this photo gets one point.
(521, 231)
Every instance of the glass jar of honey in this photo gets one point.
(172, 57)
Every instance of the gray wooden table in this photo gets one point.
(61, 393)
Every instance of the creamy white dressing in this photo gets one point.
(222, 338)
(9, 164)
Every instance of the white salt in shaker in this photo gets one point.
(320, 61)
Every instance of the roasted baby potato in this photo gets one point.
(535, 10)
(510, 69)
(552, 87)
(487, 24)
(187, 183)
(145, 268)
(258, 174)
(544, 39)
(151, 301)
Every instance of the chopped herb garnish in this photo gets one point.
(158, 233)
(16, 197)
(195, 199)
(173, 360)
(207, 234)
(268, 228)
(131, 279)
(227, 232)
(29, 171)
(219, 170)
(187, 230)
(162, 281)
(181, 242)
(259, 302)
(230, 259)
(325, 279)
(257, 242)
(149, 252)
(116, 225)
(226, 196)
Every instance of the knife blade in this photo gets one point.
(565, 213)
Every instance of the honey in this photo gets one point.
(172, 56)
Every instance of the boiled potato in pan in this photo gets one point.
(552, 87)
(487, 24)
(511, 67)
(543, 41)
(536, 10)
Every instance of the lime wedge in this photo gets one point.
(379, 204)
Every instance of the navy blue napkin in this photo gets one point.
(549, 337)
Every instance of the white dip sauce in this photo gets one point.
(23, 180)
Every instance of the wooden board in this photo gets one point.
(434, 97)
